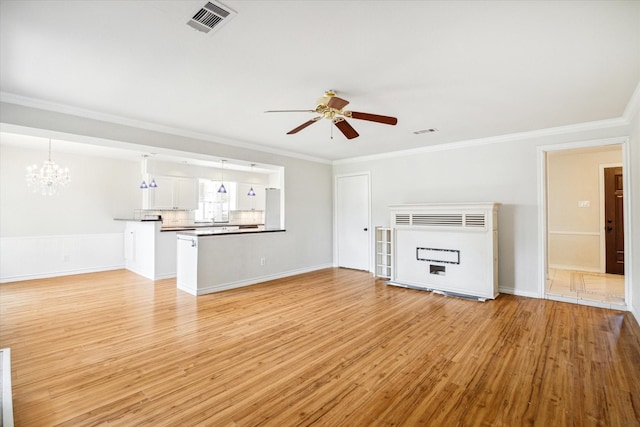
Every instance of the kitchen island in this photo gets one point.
(212, 260)
(150, 246)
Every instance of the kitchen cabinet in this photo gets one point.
(248, 203)
(172, 193)
(148, 251)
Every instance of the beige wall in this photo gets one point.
(575, 237)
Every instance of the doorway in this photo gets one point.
(614, 220)
(352, 221)
(575, 182)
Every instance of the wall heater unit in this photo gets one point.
(446, 248)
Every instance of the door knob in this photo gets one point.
(609, 228)
(366, 229)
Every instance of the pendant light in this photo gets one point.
(222, 189)
(145, 174)
(48, 178)
(251, 192)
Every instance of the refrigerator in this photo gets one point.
(272, 214)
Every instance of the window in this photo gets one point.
(214, 206)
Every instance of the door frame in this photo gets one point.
(335, 216)
(543, 261)
(603, 235)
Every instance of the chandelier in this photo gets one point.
(48, 178)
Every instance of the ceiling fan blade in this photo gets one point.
(304, 125)
(290, 111)
(345, 128)
(387, 120)
(337, 103)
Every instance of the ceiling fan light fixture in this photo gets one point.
(332, 107)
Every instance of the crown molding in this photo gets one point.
(24, 101)
(513, 137)
(633, 107)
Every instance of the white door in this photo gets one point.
(352, 221)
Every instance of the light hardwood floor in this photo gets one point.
(334, 347)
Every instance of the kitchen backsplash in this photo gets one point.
(175, 218)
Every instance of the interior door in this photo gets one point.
(614, 220)
(352, 221)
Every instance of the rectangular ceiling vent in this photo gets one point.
(211, 17)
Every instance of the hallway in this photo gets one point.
(588, 286)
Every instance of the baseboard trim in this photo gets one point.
(517, 292)
(253, 281)
(9, 279)
(635, 314)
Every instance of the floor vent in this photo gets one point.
(211, 17)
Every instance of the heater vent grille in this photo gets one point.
(420, 219)
(403, 219)
(442, 220)
(474, 220)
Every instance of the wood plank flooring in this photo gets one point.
(334, 347)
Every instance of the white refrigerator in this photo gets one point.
(272, 220)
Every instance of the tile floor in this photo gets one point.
(588, 286)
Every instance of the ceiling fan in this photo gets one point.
(331, 107)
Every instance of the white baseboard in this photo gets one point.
(255, 280)
(21, 278)
(635, 313)
(517, 292)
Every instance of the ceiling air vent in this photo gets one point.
(211, 17)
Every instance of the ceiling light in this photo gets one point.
(48, 178)
(222, 189)
(251, 192)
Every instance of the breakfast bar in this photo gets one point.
(213, 260)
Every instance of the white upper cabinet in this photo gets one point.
(172, 193)
(248, 203)
(185, 193)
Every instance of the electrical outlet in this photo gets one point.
(584, 203)
(66, 258)
(263, 261)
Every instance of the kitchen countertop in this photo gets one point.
(195, 226)
(215, 232)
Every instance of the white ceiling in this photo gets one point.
(470, 69)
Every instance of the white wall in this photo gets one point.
(70, 232)
(308, 185)
(100, 190)
(503, 172)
